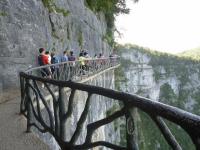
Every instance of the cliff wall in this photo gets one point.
(56, 25)
(26, 25)
(161, 77)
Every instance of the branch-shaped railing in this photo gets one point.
(74, 70)
(34, 101)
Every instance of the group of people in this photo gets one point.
(47, 58)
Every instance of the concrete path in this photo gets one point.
(13, 126)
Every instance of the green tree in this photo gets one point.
(110, 8)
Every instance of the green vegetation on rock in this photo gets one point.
(193, 54)
(118, 124)
(120, 78)
(3, 14)
(109, 8)
(167, 95)
(108, 38)
(173, 64)
(52, 7)
(196, 97)
(177, 77)
(151, 138)
(54, 34)
(80, 39)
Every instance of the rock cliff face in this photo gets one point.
(165, 78)
(26, 25)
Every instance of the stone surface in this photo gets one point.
(170, 80)
(182, 79)
(141, 78)
(27, 25)
(13, 127)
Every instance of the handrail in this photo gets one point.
(31, 93)
(74, 70)
(69, 62)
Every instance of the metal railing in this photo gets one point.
(33, 97)
(74, 70)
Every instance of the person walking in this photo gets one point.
(55, 68)
(64, 57)
(72, 64)
(43, 59)
(82, 63)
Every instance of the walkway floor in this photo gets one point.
(13, 126)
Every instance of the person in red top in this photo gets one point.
(43, 60)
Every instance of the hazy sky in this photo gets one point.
(170, 25)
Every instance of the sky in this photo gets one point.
(167, 25)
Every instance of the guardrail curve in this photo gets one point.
(64, 76)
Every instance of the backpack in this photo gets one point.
(54, 60)
(40, 60)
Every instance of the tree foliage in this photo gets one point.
(110, 8)
(193, 53)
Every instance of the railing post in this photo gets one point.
(62, 110)
(22, 94)
(28, 106)
(166, 133)
(130, 131)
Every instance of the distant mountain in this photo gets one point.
(163, 77)
(193, 53)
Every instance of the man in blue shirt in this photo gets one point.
(64, 57)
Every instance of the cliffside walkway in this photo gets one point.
(35, 90)
(13, 135)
